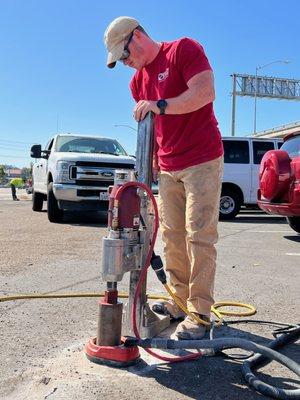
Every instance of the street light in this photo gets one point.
(255, 86)
(126, 126)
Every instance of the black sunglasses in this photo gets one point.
(126, 52)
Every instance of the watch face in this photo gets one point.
(162, 104)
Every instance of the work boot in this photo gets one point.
(168, 307)
(189, 329)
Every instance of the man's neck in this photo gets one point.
(153, 51)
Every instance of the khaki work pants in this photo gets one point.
(189, 210)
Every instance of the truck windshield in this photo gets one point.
(73, 144)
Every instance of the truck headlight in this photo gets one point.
(64, 172)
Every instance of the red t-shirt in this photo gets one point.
(183, 140)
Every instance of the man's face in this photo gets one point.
(136, 58)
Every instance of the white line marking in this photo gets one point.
(292, 254)
(269, 231)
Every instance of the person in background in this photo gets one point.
(174, 80)
(13, 192)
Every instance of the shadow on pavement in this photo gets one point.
(95, 219)
(293, 238)
(216, 377)
(258, 217)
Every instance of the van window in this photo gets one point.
(236, 151)
(259, 149)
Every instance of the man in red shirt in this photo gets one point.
(174, 80)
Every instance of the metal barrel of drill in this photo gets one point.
(109, 318)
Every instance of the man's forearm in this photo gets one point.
(200, 92)
(190, 100)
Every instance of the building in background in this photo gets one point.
(13, 173)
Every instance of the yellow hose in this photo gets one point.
(220, 304)
(68, 295)
(214, 308)
(185, 310)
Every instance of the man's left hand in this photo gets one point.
(143, 107)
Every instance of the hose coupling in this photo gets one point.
(130, 341)
(158, 268)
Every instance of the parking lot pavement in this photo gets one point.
(5, 194)
(42, 341)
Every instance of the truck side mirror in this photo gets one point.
(35, 151)
(46, 154)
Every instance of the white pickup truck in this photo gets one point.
(73, 172)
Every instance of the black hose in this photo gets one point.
(229, 343)
(260, 322)
(259, 360)
(284, 329)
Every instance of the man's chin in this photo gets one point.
(138, 67)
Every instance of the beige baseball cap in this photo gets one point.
(114, 37)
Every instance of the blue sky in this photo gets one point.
(53, 75)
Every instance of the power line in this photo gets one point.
(13, 148)
(13, 141)
(14, 145)
(12, 156)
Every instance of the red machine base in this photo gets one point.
(114, 356)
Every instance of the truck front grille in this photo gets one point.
(96, 174)
(83, 182)
(105, 165)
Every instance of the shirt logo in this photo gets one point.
(163, 75)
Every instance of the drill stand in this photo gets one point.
(125, 249)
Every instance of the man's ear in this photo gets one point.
(137, 33)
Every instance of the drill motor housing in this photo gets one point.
(122, 248)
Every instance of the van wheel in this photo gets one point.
(294, 223)
(230, 204)
(37, 201)
(54, 213)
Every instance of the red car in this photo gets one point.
(279, 181)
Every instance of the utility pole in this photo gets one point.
(256, 89)
(233, 105)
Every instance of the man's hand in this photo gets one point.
(143, 107)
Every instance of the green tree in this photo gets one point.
(2, 174)
(26, 173)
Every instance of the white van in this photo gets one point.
(242, 158)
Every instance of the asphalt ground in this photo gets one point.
(42, 341)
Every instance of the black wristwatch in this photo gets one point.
(162, 105)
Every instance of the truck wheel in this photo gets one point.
(37, 201)
(54, 213)
(230, 204)
(294, 223)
